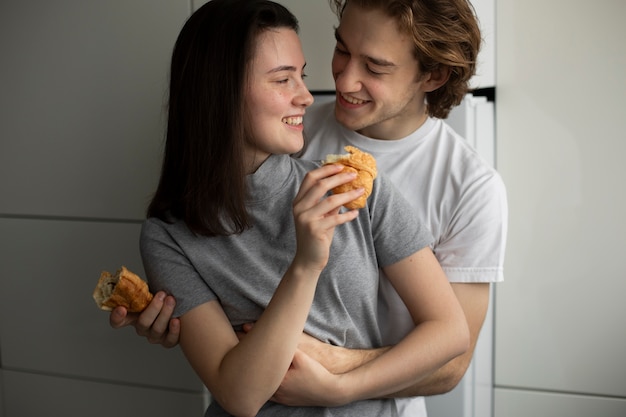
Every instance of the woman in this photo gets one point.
(240, 232)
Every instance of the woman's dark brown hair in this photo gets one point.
(444, 32)
(203, 177)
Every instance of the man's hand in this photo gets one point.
(155, 323)
(308, 383)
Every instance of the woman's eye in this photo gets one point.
(340, 51)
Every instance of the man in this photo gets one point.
(399, 67)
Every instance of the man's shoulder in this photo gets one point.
(461, 154)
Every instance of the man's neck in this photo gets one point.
(395, 128)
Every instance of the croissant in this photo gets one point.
(364, 165)
(122, 289)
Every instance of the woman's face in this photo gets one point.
(276, 96)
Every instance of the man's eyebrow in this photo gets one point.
(376, 61)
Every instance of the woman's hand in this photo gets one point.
(316, 216)
(155, 323)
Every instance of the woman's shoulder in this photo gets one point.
(157, 226)
(305, 164)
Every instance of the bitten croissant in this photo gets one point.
(364, 165)
(122, 289)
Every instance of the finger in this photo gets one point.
(318, 195)
(148, 316)
(326, 213)
(159, 330)
(173, 334)
(319, 181)
(315, 187)
(120, 317)
(331, 204)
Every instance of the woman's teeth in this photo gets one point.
(294, 121)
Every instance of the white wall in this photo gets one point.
(561, 136)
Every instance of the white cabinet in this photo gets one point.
(486, 69)
(560, 314)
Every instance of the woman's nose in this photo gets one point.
(304, 98)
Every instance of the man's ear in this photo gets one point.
(436, 78)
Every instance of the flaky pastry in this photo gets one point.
(122, 289)
(364, 165)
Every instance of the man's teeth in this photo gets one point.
(294, 121)
(352, 100)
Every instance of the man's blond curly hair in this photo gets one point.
(444, 33)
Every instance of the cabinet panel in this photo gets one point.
(518, 403)
(486, 66)
(560, 313)
(41, 395)
(49, 322)
(81, 109)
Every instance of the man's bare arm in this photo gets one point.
(474, 299)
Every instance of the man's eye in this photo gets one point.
(340, 51)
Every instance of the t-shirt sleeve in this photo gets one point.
(397, 231)
(168, 269)
(472, 248)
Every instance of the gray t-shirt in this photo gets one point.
(242, 271)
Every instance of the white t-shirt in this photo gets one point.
(458, 195)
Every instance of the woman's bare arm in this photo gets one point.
(441, 333)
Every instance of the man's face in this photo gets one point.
(379, 91)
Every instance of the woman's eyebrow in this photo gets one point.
(280, 68)
(283, 68)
